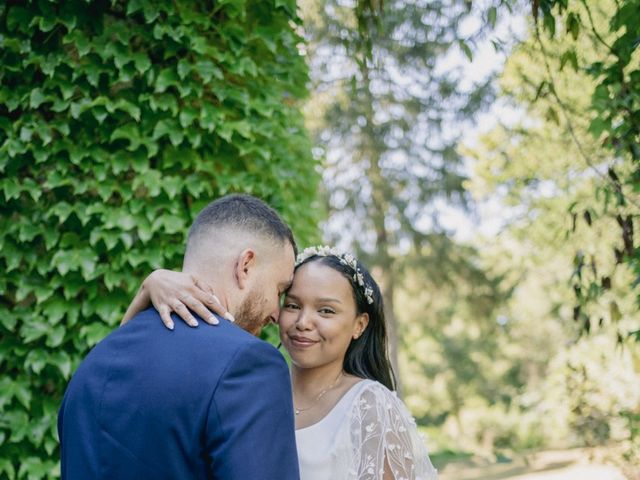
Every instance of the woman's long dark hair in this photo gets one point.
(367, 356)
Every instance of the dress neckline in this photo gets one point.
(333, 409)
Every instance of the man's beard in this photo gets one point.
(251, 314)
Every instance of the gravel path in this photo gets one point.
(551, 465)
(575, 472)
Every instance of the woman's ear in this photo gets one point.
(245, 263)
(361, 325)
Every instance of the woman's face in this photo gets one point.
(318, 319)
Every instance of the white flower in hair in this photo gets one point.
(368, 292)
(345, 258)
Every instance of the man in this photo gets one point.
(151, 403)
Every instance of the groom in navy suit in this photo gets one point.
(150, 403)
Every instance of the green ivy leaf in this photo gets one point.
(167, 78)
(207, 71)
(129, 132)
(111, 146)
(6, 466)
(54, 311)
(36, 98)
(63, 362)
(141, 62)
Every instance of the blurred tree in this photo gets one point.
(600, 40)
(542, 167)
(119, 121)
(387, 125)
(547, 165)
(451, 350)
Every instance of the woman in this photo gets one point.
(349, 422)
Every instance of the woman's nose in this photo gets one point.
(303, 321)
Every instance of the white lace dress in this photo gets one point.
(368, 426)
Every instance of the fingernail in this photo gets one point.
(170, 326)
(229, 317)
(213, 320)
(193, 322)
(214, 299)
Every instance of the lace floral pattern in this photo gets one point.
(384, 435)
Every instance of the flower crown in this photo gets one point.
(345, 258)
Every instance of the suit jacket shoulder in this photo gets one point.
(148, 402)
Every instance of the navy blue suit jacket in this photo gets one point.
(205, 403)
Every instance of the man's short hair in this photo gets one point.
(242, 212)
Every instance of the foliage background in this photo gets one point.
(119, 120)
(507, 327)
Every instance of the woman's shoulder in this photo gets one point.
(374, 400)
(372, 388)
(381, 421)
(374, 394)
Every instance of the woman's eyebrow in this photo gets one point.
(329, 299)
(318, 300)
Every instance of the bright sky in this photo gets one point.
(490, 215)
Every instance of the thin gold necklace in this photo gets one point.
(298, 411)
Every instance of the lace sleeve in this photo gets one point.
(382, 430)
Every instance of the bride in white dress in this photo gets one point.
(349, 422)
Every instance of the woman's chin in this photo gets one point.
(302, 361)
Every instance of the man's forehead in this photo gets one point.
(284, 262)
(290, 258)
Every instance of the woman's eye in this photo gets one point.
(290, 305)
(326, 311)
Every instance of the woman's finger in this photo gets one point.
(201, 284)
(216, 306)
(207, 296)
(165, 315)
(184, 313)
(198, 307)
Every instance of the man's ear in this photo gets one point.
(361, 325)
(245, 263)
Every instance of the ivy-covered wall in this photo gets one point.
(119, 120)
